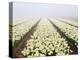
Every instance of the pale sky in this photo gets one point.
(24, 9)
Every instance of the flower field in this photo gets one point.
(48, 37)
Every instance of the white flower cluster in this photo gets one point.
(20, 30)
(70, 31)
(45, 41)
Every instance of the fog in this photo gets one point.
(24, 9)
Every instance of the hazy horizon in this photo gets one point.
(24, 9)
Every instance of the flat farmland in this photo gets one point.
(44, 36)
